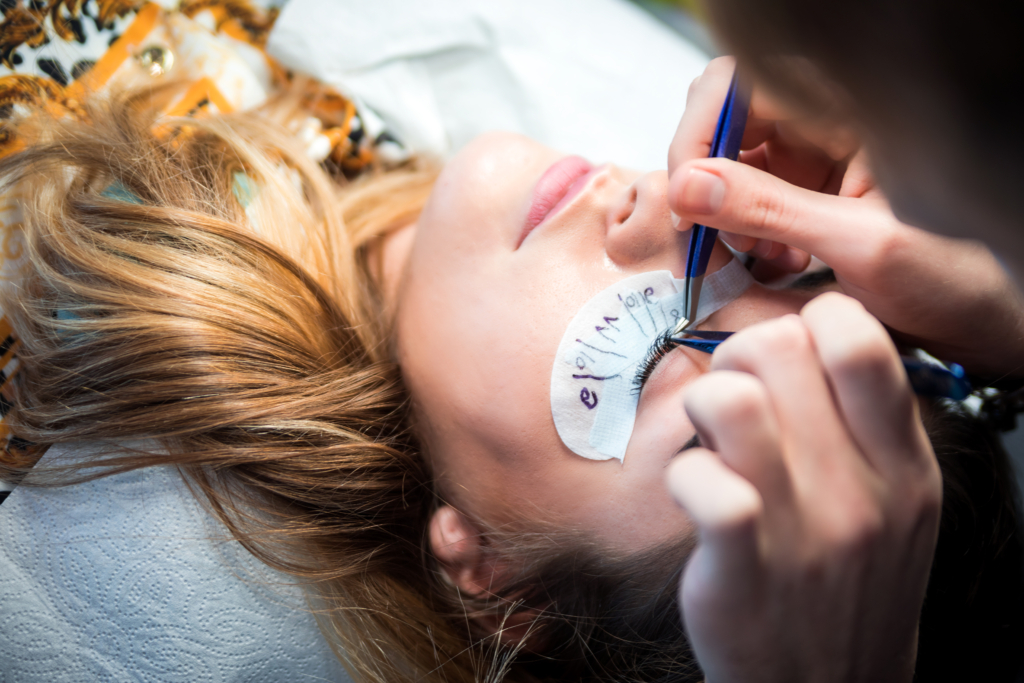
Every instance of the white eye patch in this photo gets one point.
(593, 400)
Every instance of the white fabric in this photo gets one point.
(599, 78)
(128, 579)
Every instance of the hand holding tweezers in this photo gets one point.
(926, 379)
(726, 143)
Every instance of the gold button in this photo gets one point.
(155, 59)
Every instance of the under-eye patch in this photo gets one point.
(593, 400)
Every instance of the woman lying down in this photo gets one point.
(391, 389)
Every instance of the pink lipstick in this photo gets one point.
(556, 188)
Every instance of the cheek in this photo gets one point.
(489, 183)
(478, 363)
(662, 426)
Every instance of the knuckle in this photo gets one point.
(718, 70)
(742, 517)
(741, 401)
(855, 534)
(694, 86)
(866, 359)
(832, 310)
(768, 208)
(923, 528)
(785, 335)
(860, 355)
(774, 249)
(748, 405)
(851, 342)
(766, 340)
(830, 300)
(931, 493)
(722, 400)
(739, 242)
(721, 66)
(929, 510)
(886, 246)
(808, 568)
(921, 498)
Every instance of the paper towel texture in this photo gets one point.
(118, 580)
(599, 78)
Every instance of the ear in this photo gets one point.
(459, 546)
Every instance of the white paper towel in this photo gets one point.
(122, 579)
(598, 78)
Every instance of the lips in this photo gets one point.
(556, 188)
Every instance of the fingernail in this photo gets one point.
(675, 219)
(702, 193)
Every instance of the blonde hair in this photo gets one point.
(237, 329)
(206, 288)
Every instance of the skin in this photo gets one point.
(817, 491)
(817, 501)
(797, 481)
(478, 323)
(801, 189)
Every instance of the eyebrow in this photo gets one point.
(662, 345)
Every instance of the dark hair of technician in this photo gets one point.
(938, 79)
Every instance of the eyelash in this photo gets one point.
(663, 343)
(658, 350)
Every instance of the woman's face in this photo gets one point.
(481, 303)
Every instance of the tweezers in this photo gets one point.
(726, 143)
(926, 379)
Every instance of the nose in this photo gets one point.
(640, 226)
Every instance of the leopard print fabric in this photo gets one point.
(56, 53)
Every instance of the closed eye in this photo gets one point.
(694, 442)
(663, 344)
(658, 350)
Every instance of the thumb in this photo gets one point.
(740, 199)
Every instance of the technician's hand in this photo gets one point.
(817, 502)
(772, 142)
(950, 297)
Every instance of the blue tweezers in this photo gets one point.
(926, 379)
(726, 143)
